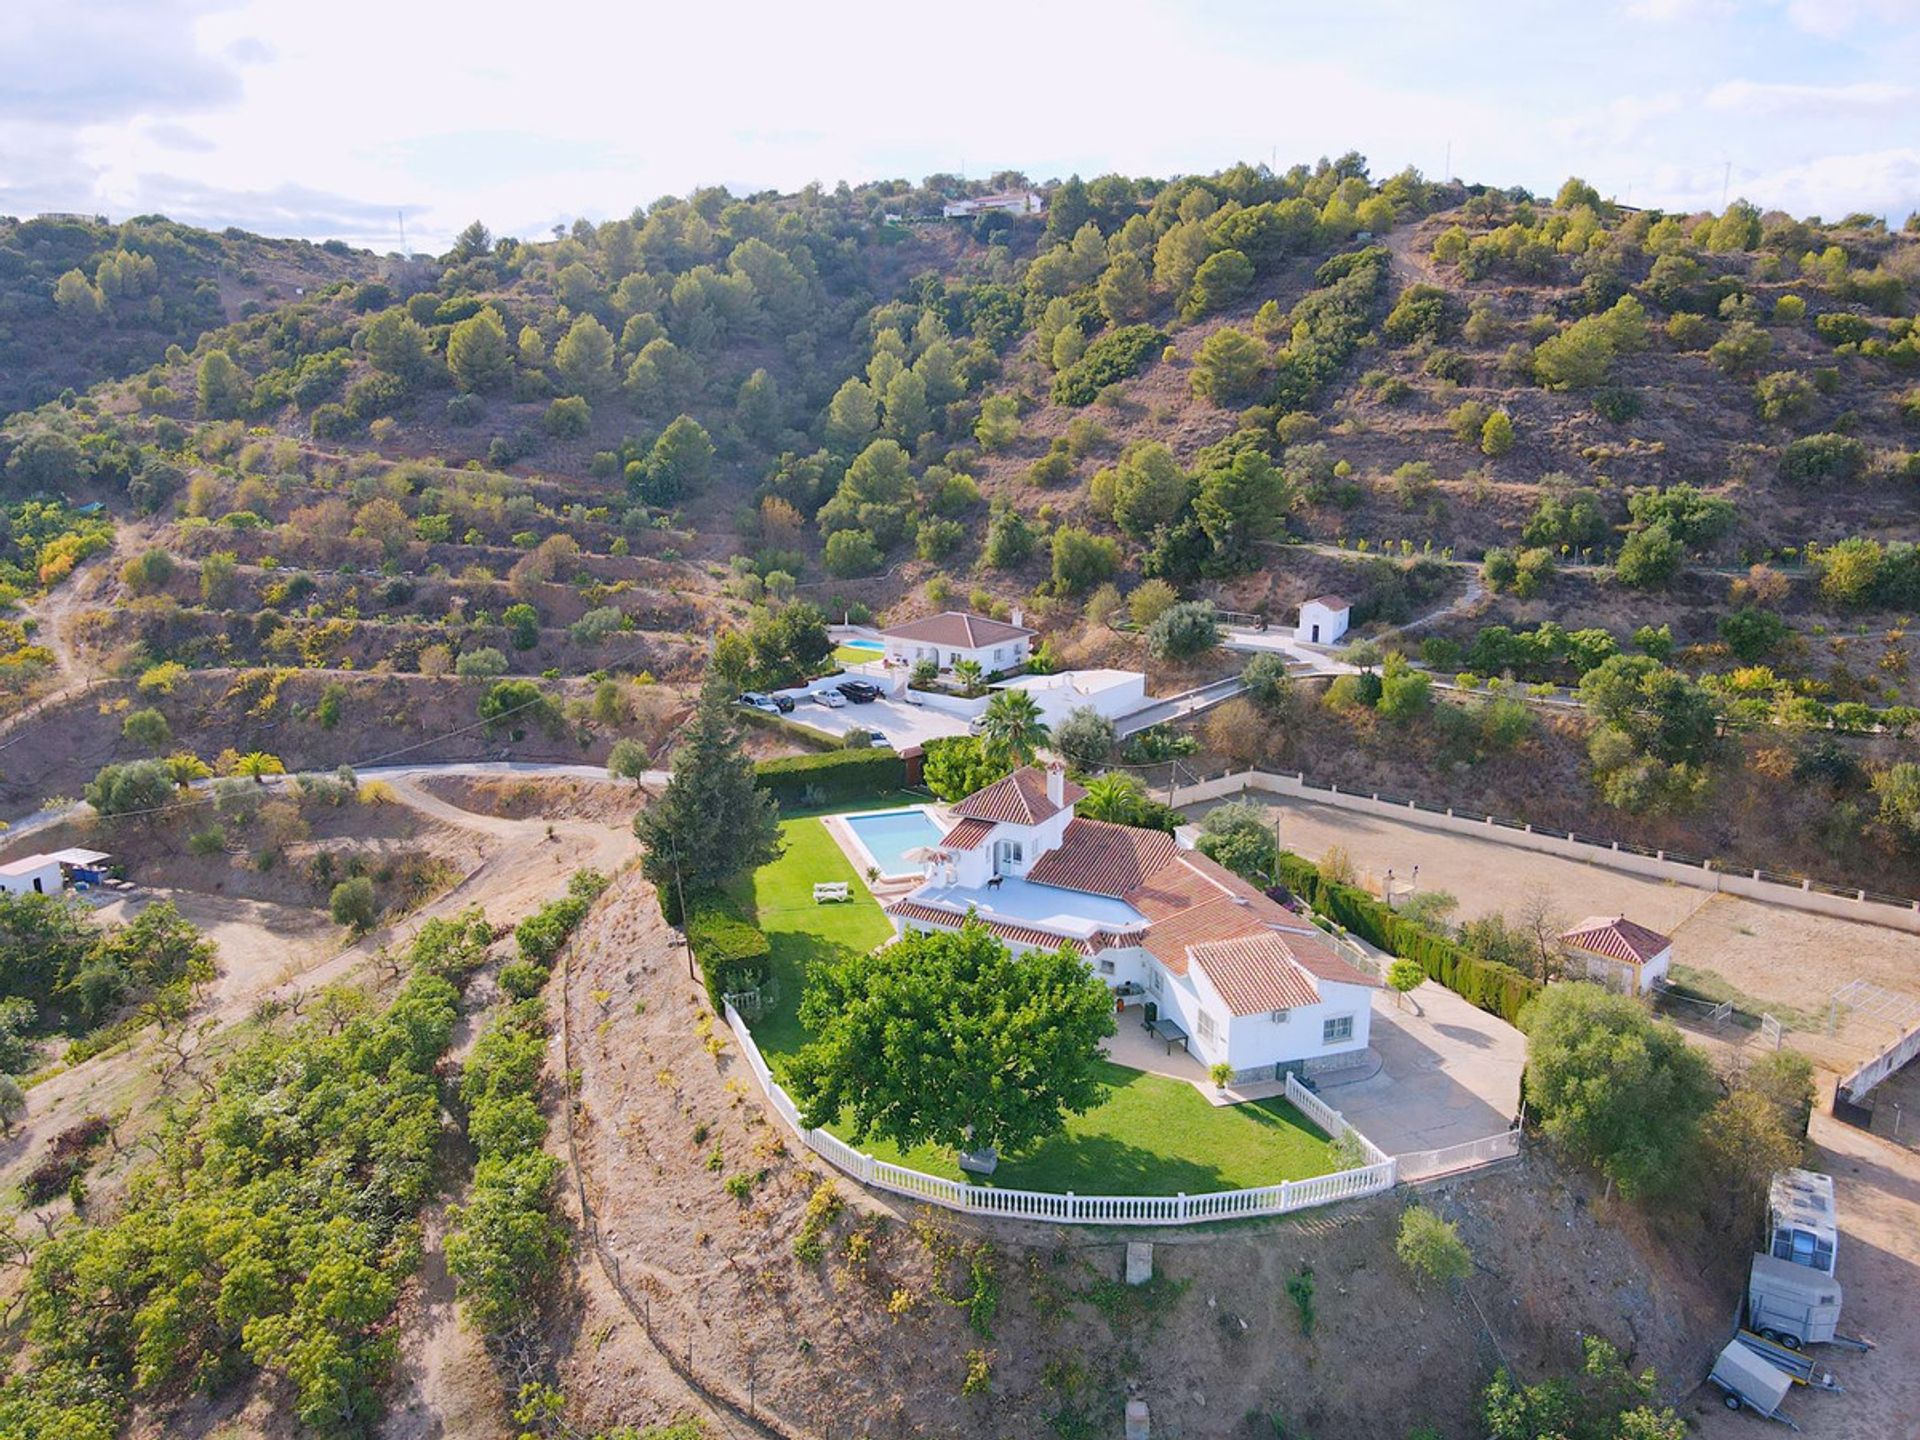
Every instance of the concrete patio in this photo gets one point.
(1448, 1074)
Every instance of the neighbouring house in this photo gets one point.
(32, 875)
(1006, 202)
(1323, 620)
(955, 635)
(1111, 693)
(1211, 961)
(1618, 953)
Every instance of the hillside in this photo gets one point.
(82, 300)
(1686, 441)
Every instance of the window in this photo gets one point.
(1106, 967)
(1336, 1029)
(1000, 655)
(1279, 1017)
(1153, 978)
(1206, 1026)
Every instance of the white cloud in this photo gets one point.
(248, 112)
(1667, 12)
(1862, 97)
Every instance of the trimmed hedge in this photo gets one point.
(832, 775)
(1496, 988)
(733, 952)
(792, 729)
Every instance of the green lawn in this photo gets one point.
(849, 655)
(1149, 1136)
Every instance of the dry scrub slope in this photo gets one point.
(1215, 1350)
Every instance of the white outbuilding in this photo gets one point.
(1109, 693)
(1323, 620)
(31, 875)
(1619, 953)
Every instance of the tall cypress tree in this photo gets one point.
(714, 821)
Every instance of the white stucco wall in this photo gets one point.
(1003, 656)
(1332, 623)
(48, 876)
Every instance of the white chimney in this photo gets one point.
(1019, 616)
(1056, 782)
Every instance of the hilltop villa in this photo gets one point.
(954, 635)
(1211, 961)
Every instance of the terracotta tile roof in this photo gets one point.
(1006, 930)
(1313, 954)
(959, 630)
(967, 835)
(1103, 859)
(1196, 901)
(1019, 799)
(1619, 937)
(1255, 974)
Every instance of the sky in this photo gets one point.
(346, 120)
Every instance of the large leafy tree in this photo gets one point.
(1660, 710)
(957, 765)
(1616, 1088)
(713, 821)
(949, 1039)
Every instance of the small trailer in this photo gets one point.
(1799, 1367)
(1794, 1305)
(1749, 1383)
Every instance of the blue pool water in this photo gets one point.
(874, 645)
(888, 834)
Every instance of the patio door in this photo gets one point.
(1007, 857)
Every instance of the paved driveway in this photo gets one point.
(900, 723)
(1446, 1076)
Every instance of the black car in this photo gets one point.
(860, 692)
(782, 703)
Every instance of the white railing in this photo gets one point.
(1425, 1164)
(1072, 1209)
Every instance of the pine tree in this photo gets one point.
(713, 822)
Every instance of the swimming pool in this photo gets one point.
(886, 836)
(873, 645)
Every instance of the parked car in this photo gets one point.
(755, 700)
(859, 691)
(782, 703)
(832, 699)
(977, 725)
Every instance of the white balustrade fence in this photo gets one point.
(1074, 1209)
(1426, 1164)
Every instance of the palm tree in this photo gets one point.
(1114, 798)
(1012, 726)
(969, 674)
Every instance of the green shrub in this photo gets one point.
(733, 952)
(1817, 458)
(1112, 358)
(832, 775)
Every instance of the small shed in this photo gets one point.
(1619, 953)
(1323, 620)
(31, 875)
(82, 867)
